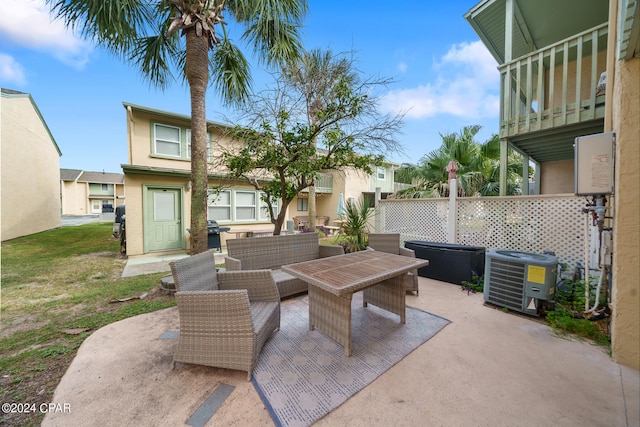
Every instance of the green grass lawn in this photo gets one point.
(53, 282)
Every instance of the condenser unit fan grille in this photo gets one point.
(507, 283)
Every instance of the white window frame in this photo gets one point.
(156, 139)
(238, 206)
(259, 208)
(212, 201)
(381, 171)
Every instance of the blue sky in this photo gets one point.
(444, 77)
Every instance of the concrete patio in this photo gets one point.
(487, 368)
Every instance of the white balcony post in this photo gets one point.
(378, 224)
(452, 222)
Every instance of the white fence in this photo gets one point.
(522, 223)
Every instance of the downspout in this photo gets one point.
(130, 133)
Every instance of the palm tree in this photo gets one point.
(478, 168)
(317, 74)
(145, 32)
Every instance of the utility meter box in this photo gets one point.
(594, 164)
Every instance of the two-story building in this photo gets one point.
(352, 184)
(85, 192)
(569, 69)
(156, 178)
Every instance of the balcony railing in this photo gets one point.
(324, 184)
(554, 86)
(397, 186)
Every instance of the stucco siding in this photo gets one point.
(30, 170)
(557, 177)
(75, 199)
(626, 224)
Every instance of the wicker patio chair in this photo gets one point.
(390, 243)
(226, 325)
(195, 273)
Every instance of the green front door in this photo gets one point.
(163, 225)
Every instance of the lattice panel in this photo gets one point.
(416, 220)
(528, 224)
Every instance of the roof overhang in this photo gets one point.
(536, 24)
(629, 29)
(167, 114)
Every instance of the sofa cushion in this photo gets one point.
(288, 284)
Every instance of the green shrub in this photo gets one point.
(568, 317)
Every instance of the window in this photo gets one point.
(381, 173)
(105, 187)
(303, 205)
(245, 205)
(220, 206)
(239, 206)
(167, 140)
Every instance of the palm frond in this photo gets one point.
(156, 56)
(113, 24)
(230, 72)
(275, 43)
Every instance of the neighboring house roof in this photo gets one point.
(102, 177)
(91, 177)
(70, 174)
(9, 93)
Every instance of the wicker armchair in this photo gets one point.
(225, 317)
(390, 243)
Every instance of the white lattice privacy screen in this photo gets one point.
(526, 223)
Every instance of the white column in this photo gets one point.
(453, 211)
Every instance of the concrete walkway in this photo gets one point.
(158, 264)
(487, 368)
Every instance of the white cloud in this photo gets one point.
(402, 67)
(11, 71)
(28, 23)
(466, 85)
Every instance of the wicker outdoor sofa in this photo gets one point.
(225, 317)
(273, 252)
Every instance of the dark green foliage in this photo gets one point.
(568, 316)
(475, 285)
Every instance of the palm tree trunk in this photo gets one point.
(313, 214)
(197, 73)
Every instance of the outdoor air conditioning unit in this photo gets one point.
(519, 280)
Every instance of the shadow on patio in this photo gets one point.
(486, 368)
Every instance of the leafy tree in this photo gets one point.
(478, 168)
(145, 33)
(316, 75)
(287, 142)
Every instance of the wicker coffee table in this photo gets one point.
(333, 281)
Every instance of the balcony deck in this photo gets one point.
(558, 86)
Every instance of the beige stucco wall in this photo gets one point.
(139, 128)
(31, 167)
(625, 326)
(75, 199)
(556, 177)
